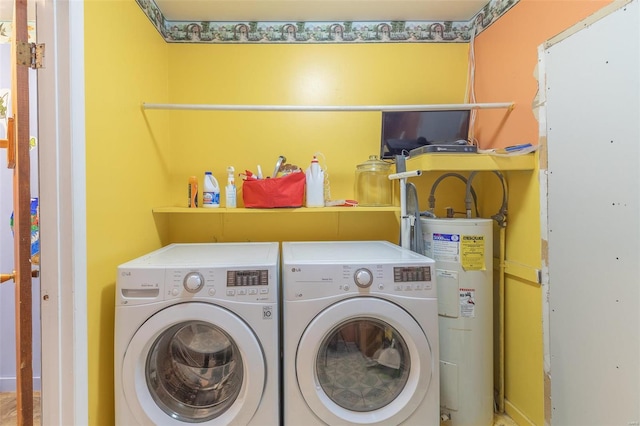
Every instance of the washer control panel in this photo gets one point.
(408, 274)
(317, 280)
(143, 286)
(247, 278)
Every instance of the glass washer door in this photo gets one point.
(364, 361)
(180, 368)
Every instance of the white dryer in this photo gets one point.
(196, 336)
(360, 335)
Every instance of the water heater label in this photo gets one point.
(467, 302)
(472, 252)
(446, 247)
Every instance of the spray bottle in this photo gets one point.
(315, 185)
(231, 188)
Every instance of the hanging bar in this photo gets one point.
(434, 107)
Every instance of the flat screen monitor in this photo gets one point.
(403, 131)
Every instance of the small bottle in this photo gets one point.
(315, 185)
(210, 191)
(193, 192)
(230, 189)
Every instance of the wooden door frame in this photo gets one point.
(18, 148)
(60, 25)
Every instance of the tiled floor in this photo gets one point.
(8, 409)
(498, 420)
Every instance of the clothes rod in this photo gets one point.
(434, 107)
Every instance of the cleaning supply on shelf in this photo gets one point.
(230, 189)
(193, 192)
(315, 185)
(210, 191)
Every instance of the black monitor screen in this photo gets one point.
(403, 131)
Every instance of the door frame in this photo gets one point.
(60, 25)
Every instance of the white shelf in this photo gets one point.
(431, 107)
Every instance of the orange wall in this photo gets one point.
(506, 57)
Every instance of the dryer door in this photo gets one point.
(194, 363)
(364, 361)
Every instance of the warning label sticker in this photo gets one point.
(472, 252)
(467, 302)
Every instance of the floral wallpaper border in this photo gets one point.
(324, 32)
(6, 30)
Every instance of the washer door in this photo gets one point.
(364, 361)
(194, 363)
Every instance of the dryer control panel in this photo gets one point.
(316, 281)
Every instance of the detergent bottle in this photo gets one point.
(315, 185)
(193, 192)
(230, 189)
(210, 191)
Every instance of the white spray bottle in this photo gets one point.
(315, 185)
(230, 189)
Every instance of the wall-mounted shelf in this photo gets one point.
(432, 107)
(300, 210)
(471, 162)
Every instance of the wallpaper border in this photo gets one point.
(249, 32)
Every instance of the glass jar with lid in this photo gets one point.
(372, 185)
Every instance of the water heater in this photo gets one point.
(463, 251)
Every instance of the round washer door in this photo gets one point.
(364, 361)
(194, 363)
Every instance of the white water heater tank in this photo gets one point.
(463, 251)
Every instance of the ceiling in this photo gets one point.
(302, 10)
(320, 10)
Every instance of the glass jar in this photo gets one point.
(372, 185)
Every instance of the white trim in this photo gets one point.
(79, 222)
(62, 213)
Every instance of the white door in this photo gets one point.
(194, 363)
(364, 361)
(592, 90)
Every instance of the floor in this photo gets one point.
(8, 409)
(503, 420)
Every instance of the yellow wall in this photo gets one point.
(313, 74)
(127, 167)
(506, 58)
(139, 160)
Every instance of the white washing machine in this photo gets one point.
(360, 335)
(196, 336)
